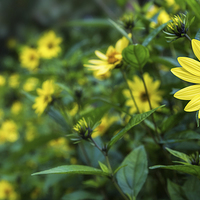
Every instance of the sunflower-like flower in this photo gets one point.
(49, 45)
(45, 96)
(190, 72)
(178, 27)
(29, 58)
(7, 191)
(140, 95)
(110, 60)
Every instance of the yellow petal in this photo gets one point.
(188, 93)
(185, 75)
(199, 114)
(121, 44)
(193, 105)
(97, 62)
(196, 48)
(191, 65)
(101, 55)
(110, 50)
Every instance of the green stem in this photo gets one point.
(125, 78)
(150, 106)
(100, 149)
(188, 37)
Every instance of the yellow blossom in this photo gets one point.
(110, 60)
(14, 81)
(29, 58)
(8, 131)
(139, 93)
(30, 84)
(48, 45)
(190, 72)
(2, 80)
(16, 107)
(7, 191)
(45, 96)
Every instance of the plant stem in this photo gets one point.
(100, 149)
(125, 78)
(188, 37)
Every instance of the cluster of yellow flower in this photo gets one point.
(7, 191)
(48, 47)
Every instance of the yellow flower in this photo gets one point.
(8, 131)
(7, 191)
(106, 122)
(30, 84)
(110, 60)
(31, 131)
(2, 80)
(48, 45)
(139, 93)
(190, 72)
(45, 96)
(173, 4)
(16, 107)
(14, 80)
(29, 58)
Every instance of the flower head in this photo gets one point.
(177, 28)
(30, 84)
(110, 60)
(140, 95)
(190, 72)
(128, 21)
(7, 191)
(45, 96)
(49, 45)
(29, 58)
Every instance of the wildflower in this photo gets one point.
(29, 58)
(110, 60)
(48, 45)
(140, 95)
(14, 81)
(2, 80)
(16, 107)
(7, 191)
(8, 131)
(45, 96)
(128, 21)
(83, 129)
(30, 84)
(190, 72)
(177, 28)
(173, 4)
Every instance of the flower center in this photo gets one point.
(143, 97)
(32, 57)
(50, 45)
(112, 59)
(7, 192)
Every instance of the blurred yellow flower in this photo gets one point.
(14, 81)
(7, 191)
(190, 72)
(139, 93)
(31, 131)
(2, 80)
(8, 131)
(45, 96)
(173, 4)
(16, 107)
(106, 122)
(74, 110)
(29, 58)
(110, 60)
(30, 84)
(48, 45)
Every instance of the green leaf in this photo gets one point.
(175, 191)
(180, 155)
(73, 169)
(197, 36)
(189, 169)
(103, 167)
(122, 31)
(121, 166)
(136, 55)
(132, 177)
(136, 119)
(153, 34)
(194, 6)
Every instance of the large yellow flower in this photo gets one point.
(45, 96)
(48, 45)
(139, 93)
(29, 58)
(190, 72)
(110, 60)
(7, 191)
